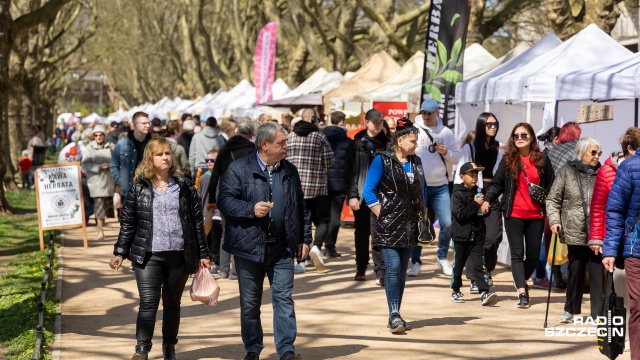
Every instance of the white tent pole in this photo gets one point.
(528, 112)
(487, 106)
(456, 122)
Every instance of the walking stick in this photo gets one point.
(553, 260)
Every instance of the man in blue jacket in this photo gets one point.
(623, 213)
(127, 153)
(267, 226)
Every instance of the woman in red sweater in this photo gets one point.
(523, 163)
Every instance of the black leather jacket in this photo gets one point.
(136, 223)
(401, 203)
(502, 184)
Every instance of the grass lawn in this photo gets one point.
(21, 271)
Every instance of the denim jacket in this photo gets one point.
(123, 162)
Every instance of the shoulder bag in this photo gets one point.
(537, 192)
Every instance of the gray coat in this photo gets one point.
(564, 204)
(180, 156)
(100, 182)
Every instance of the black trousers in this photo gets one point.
(582, 258)
(162, 274)
(525, 236)
(320, 209)
(362, 222)
(469, 252)
(337, 201)
(492, 238)
(214, 239)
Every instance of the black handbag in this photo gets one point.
(537, 192)
(612, 319)
(426, 232)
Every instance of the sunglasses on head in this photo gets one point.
(522, 136)
(492, 125)
(210, 159)
(596, 152)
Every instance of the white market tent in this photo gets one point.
(471, 94)
(320, 80)
(214, 108)
(515, 94)
(616, 84)
(92, 118)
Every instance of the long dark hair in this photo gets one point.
(512, 161)
(481, 137)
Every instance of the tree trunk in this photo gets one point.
(5, 49)
(474, 34)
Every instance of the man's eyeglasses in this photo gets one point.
(522, 136)
(210, 160)
(596, 152)
(493, 125)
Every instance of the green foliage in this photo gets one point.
(23, 201)
(22, 269)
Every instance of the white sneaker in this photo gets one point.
(566, 318)
(308, 262)
(299, 268)
(415, 270)
(445, 266)
(316, 257)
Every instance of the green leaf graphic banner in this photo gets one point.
(448, 20)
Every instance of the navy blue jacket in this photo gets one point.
(337, 175)
(242, 187)
(623, 206)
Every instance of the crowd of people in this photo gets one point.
(261, 185)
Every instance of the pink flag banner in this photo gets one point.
(264, 62)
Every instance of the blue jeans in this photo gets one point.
(438, 199)
(396, 261)
(278, 266)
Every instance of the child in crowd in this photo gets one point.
(468, 231)
(215, 234)
(25, 167)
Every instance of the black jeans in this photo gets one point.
(214, 240)
(320, 209)
(523, 234)
(163, 273)
(582, 258)
(492, 238)
(362, 222)
(471, 253)
(337, 201)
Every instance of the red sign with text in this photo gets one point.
(395, 109)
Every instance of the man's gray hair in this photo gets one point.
(245, 128)
(268, 132)
(583, 146)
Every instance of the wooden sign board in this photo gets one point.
(59, 198)
(594, 112)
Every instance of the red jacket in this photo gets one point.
(601, 189)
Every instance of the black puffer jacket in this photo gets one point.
(136, 223)
(466, 224)
(359, 157)
(242, 187)
(401, 203)
(502, 184)
(338, 175)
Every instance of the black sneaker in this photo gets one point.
(456, 296)
(407, 326)
(396, 325)
(331, 252)
(473, 288)
(488, 297)
(523, 301)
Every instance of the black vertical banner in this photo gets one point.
(448, 20)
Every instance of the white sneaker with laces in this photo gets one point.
(445, 266)
(566, 318)
(415, 270)
(316, 257)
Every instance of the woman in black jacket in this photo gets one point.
(162, 233)
(523, 164)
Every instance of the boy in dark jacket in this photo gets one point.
(468, 232)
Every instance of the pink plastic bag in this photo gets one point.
(204, 288)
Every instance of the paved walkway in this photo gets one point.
(338, 318)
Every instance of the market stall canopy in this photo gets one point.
(313, 99)
(519, 49)
(475, 58)
(374, 72)
(321, 80)
(92, 118)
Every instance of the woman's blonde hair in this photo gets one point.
(146, 167)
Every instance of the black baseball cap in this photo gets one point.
(470, 166)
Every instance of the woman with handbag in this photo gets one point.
(523, 177)
(162, 233)
(568, 207)
(395, 191)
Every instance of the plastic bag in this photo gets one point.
(117, 201)
(562, 251)
(204, 288)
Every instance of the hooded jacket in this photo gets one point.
(362, 150)
(437, 174)
(201, 143)
(338, 174)
(604, 181)
(564, 203)
(136, 223)
(237, 147)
